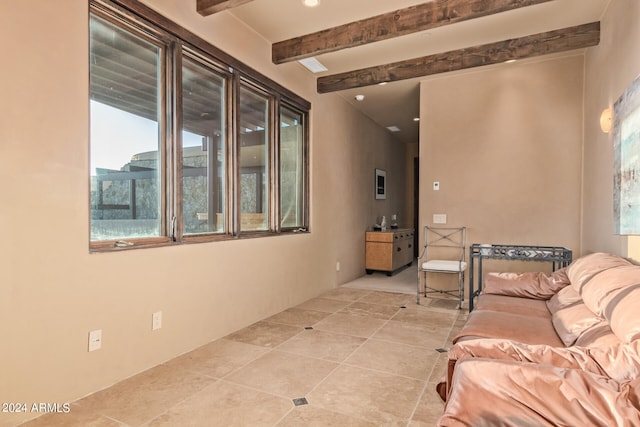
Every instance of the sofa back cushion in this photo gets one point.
(623, 314)
(532, 285)
(605, 286)
(585, 268)
(566, 297)
(615, 295)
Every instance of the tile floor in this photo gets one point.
(351, 357)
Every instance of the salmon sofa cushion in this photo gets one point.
(564, 298)
(585, 268)
(570, 322)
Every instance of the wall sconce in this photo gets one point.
(606, 120)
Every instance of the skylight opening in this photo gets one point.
(313, 65)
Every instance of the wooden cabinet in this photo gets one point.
(388, 250)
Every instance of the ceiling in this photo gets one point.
(397, 102)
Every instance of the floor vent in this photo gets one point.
(300, 401)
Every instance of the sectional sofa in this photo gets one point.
(557, 349)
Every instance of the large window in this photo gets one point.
(203, 149)
(186, 143)
(126, 133)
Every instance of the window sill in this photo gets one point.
(132, 244)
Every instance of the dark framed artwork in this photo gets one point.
(381, 184)
(626, 170)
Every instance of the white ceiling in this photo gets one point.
(397, 103)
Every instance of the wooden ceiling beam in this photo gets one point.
(209, 7)
(563, 40)
(393, 24)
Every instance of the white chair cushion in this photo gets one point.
(444, 265)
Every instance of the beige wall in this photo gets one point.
(505, 144)
(610, 68)
(52, 291)
(344, 173)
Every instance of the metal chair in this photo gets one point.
(443, 252)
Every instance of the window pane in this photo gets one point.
(125, 129)
(292, 169)
(254, 161)
(203, 150)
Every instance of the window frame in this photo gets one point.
(177, 42)
(269, 161)
(228, 77)
(305, 169)
(150, 34)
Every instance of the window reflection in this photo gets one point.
(203, 152)
(254, 161)
(125, 129)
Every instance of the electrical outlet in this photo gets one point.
(156, 321)
(95, 340)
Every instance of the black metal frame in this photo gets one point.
(559, 257)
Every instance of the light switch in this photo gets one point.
(436, 185)
(439, 218)
(95, 340)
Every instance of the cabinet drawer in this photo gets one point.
(379, 236)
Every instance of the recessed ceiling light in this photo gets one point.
(382, 83)
(510, 61)
(311, 3)
(359, 97)
(393, 128)
(313, 65)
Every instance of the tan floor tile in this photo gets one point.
(76, 417)
(298, 317)
(417, 334)
(389, 298)
(374, 396)
(224, 404)
(426, 316)
(395, 358)
(322, 345)
(218, 358)
(146, 395)
(430, 407)
(12, 419)
(356, 326)
(309, 416)
(379, 311)
(460, 322)
(345, 294)
(325, 305)
(283, 374)
(439, 368)
(447, 304)
(265, 334)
